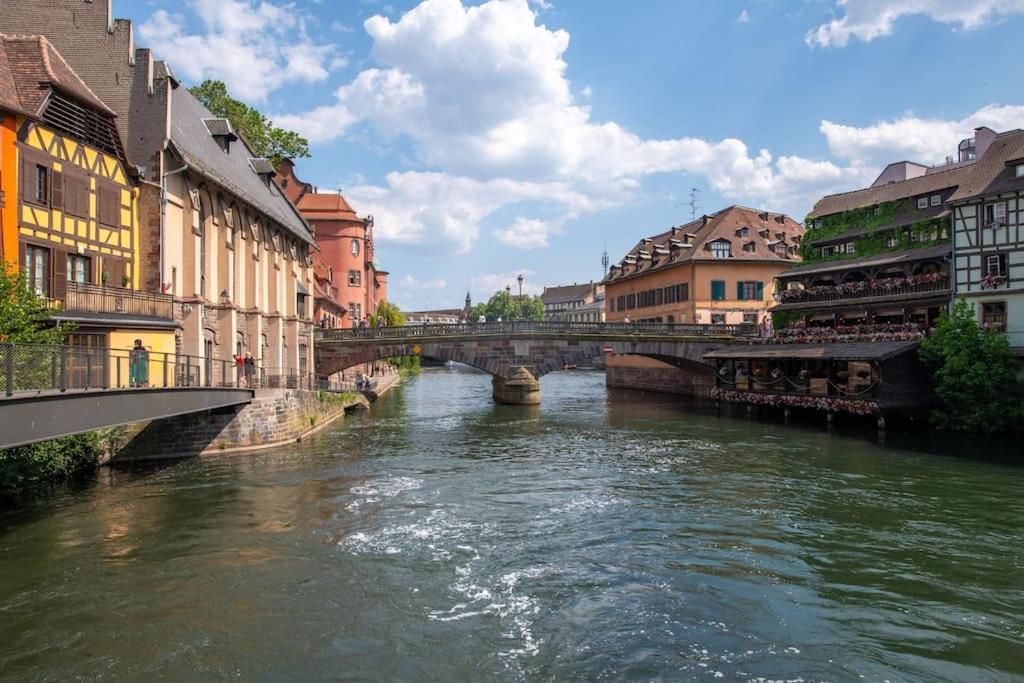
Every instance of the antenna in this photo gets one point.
(604, 259)
(693, 203)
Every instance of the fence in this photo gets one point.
(82, 296)
(852, 291)
(537, 327)
(42, 367)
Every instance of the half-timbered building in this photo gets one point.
(988, 230)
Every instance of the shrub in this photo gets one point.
(28, 469)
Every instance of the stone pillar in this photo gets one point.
(520, 388)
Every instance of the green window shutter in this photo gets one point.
(717, 290)
(760, 291)
(739, 291)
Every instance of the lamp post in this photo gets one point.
(508, 292)
(520, 278)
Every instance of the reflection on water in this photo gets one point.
(604, 535)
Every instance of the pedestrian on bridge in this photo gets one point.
(138, 365)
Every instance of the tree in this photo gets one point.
(975, 374)
(264, 138)
(24, 317)
(509, 307)
(389, 313)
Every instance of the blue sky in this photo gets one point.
(493, 138)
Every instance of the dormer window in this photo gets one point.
(936, 199)
(742, 233)
(221, 132)
(763, 232)
(780, 236)
(721, 249)
(750, 247)
(781, 250)
(264, 169)
(922, 202)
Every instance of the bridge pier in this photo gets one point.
(520, 388)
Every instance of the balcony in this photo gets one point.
(83, 297)
(866, 291)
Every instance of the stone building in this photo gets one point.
(348, 272)
(70, 210)
(215, 231)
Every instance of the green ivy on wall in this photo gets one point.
(871, 218)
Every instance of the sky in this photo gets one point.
(506, 137)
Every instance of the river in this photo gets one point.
(441, 537)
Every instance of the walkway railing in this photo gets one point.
(862, 290)
(536, 327)
(49, 368)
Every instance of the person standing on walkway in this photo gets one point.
(138, 365)
(249, 364)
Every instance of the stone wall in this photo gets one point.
(276, 416)
(660, 377)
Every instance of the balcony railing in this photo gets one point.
(87, 297)
(847, 291)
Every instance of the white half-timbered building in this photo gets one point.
(988, 232)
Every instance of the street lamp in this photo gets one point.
(520, 278)
(508, 292)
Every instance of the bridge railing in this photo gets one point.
(39, 368)
(535, 327)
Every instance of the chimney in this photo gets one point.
(704, 219)
(983, 137)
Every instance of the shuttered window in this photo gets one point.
(718, 290)
(76, 194)
(109, 205)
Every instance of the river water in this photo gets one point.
(601, 536)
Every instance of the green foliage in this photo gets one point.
(509, 307)
(871, 218)
(975, 373)
(24, 317)
(392, 316)
(407, 365)
(333, 398)
(29, 469)
(265, 139)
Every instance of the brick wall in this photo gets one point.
(276, 416)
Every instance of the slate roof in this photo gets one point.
(29, 67)
(870, 196)
(220, 127)
(762, 228)
(992, 174)
(832, 351)
(566, 293)
(231, 170)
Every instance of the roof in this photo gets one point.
(231, 169)
(326, 205)
(834, 351)
(991, 173)
(566, 293)
(883, 259)
(29, 67)
(870, 196)
(908, 216)
(723, 225)
(262, 166)
(220, 127)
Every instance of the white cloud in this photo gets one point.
(412, 283)
(483, 286)
(744, 17)
(526, 233)
(253, 47)
(870, 19)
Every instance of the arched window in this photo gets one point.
(355, 247)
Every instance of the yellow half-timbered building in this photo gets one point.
(76, 223)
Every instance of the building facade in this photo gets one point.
(988, 236)
(575, 302)
(346, 253)
(215, 231)
(70, 219)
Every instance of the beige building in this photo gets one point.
(574, 303)
(215, 231)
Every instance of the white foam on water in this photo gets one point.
(586, 504)
(377, 490)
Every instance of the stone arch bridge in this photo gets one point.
(517, 354)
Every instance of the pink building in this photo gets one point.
(349, 286)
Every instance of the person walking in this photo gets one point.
(138, 365)
(239, 368)
(249, 364)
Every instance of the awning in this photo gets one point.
(837, 351)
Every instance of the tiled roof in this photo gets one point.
(870, 196)
(232, 169)
(326, 205)
(566, 293)
(883, 259)
(30, 67)
(670, 248)
(991, 174)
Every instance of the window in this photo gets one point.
(995, 264)
(40, 192)
(922, 202)
(76, 194)
(995, 214)
(718, 290)
(721, 249)
(827, 251)
(742, 232)
(851, 248)
(936, 199)
(781, 250)
(37, 269)
(355, 278)
(354, 311)
(750, 290)
(109, 205)
(684, 291)
(892, 241)
(749, 318)
(355, 247)
(750, 246)
(718, 318)
(994, 314)
(78, 268)
(1018, 171)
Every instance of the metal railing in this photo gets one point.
(39, 368)
(841, 293)
(537, 327)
